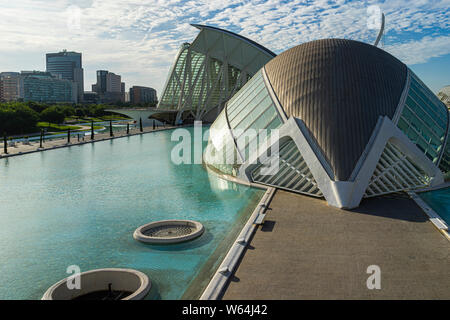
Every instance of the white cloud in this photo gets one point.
(415, 52)
(139, 38)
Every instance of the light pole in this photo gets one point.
(5, 144)
(41, 138)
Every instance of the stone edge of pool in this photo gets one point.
(220, 278)
(433, 216)
(78, 143)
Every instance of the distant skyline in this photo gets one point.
(139, 39)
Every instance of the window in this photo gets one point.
(424, 119)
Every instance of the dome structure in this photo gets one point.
(333, 118)
(339, 88)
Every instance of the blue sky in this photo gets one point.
(138, 39)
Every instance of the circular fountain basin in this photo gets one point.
(169, 231)
(102, 284)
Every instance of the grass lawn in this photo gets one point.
(56, 127)
(76, 120)
(59, 127)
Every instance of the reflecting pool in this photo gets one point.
(439, 201)
(80, 206)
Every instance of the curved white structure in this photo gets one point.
(337, 119)
(169, 231)
(208, 71)
(136, 283)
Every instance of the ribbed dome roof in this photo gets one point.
(339, 88)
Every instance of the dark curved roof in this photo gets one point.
(255, 44)
(339, 88)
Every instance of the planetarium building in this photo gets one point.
(333, 118)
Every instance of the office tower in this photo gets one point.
(9, 86)
(109, 87)
(45, 87)
(142, 95)
(68, 65)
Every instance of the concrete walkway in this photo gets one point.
(21, 148)
(308, 250)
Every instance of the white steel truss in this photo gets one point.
(209, 71)
(394, 172)
(400, 155)
(292, 173)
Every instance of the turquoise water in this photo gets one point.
(80, 206)
(439, 201)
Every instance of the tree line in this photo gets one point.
(23, 117)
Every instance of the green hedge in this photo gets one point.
(23, 117)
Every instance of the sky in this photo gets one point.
(138, 39)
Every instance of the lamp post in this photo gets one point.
(110, 129)
(5, 144)
(92, 130)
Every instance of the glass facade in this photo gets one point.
(252, 116)
(198, 81)
(68, 65)
(444, 165)
(246, 122)
(221, 152)
(424, 119)
(63, 63)
(45, 88)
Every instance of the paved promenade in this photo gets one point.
(309, 250)
(21, 148)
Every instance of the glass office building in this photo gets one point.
(68, 65)
(341, 120)
(44, 87)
